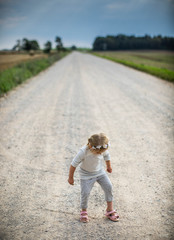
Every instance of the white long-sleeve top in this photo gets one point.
(91, 165)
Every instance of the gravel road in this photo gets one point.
(45, 121)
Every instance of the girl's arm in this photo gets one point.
(108, 165)
(71, 175)
(75, 162)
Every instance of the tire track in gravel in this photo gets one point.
(51, 116)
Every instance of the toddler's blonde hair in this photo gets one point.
(98, 140)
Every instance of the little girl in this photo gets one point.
(90, 158)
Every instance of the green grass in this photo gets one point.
(14, 76)
(157, 63)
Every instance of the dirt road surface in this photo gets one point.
(45, 121)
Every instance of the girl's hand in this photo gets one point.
(108, 166)
(109, 169)
(71, 181)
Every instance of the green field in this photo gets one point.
(158, 63)
(11, 77)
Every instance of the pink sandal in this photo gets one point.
(84, 218)
(114, 218)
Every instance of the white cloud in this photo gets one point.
(119, 8)
(63, 6)
(116, 5)
(127, 4)
(10, 22)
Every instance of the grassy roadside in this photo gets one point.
(161, 72)
(14, 76)
(10, 60)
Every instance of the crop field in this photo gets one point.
(158, 63)
(11, 59)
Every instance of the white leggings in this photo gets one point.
(87, 185)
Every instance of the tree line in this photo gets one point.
(28, 45)
(123, 42)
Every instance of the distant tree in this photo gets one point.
(123, 42)
(100, 43)
(59, 43)
(26, 45)
(48, 47)
(73, 47)
(34, 45)
(18, 46)
(30, 45)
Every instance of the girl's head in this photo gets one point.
(98, 143)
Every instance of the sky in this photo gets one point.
(79, 22)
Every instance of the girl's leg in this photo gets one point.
(106, 185)
(109, 206)
(86, 186)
